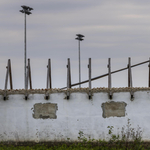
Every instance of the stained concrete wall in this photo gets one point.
(22, 120)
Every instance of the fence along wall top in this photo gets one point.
(71, 85)
(104, 75)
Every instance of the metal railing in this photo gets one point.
(69, 84)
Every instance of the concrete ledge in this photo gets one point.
(72, 90)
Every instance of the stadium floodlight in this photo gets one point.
(79, 38)
(27, 11)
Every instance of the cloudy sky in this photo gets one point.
(115, 29)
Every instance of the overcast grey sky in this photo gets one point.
(113, 28)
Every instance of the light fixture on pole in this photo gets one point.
(25, 10)
(79, 38)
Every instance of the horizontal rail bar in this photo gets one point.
(104, 75)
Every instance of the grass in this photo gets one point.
(79, 146)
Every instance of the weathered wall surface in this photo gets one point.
(59, 119)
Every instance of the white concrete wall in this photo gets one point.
(73, 115)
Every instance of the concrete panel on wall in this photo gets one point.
(113, 109)
(45, 111)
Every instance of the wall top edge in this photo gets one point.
(57, 90)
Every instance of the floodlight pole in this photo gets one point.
(25, 10)
(79, 38)
(25, 53)
(79, 65)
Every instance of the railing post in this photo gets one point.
(68, 78)
(109, 78)
(149, 74)
(130, 77)
(8, 73)
(89, 66)
(129, 73)
(28, 79)
(48, 82)
(6, 79)
(28, 76)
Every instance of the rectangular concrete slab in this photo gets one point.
(45, 111)
(113, 109)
